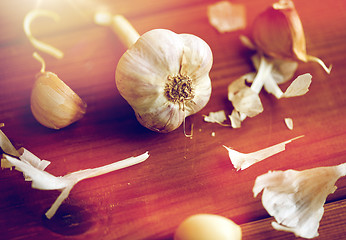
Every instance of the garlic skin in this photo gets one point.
(53, 103)
(296, 198)
(164, 76)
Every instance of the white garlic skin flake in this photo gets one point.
(164, 76)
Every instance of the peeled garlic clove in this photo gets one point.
(164, 76)
(278, 32)
(53, 103)
(208, 227)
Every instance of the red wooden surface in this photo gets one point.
(182, 176)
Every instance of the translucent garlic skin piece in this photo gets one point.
(296, 198)
(164, 76)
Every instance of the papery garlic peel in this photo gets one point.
(279, 33)
(296, 198)
(164, 76)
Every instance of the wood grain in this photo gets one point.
(182, 176)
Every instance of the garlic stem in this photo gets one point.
(121, 26)
(263, 71)
(44, 47)
(272, 87)
(41, 60)
(126, 32)
(320, 62)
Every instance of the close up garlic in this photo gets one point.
(164, 76)
(278, 32)
(296, 198)
(53, 103)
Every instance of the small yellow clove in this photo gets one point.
(53, 103)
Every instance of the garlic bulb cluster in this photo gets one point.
(53, 103)
(164, 76)
(279, 33)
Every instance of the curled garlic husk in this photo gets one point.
(53, 103)
(296, 198)
(278, 32)
(164, 76)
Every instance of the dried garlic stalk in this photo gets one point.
(226, 16)
(242, 161)
(33, 170)
(296, 198)
(216, 117)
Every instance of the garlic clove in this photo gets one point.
(205, 226)
(197, 58)
(278, 32)
(53, 103)
(163, 118)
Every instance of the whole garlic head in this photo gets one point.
(164, 76)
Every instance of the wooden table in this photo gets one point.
(183, 176)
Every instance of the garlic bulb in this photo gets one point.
(164, 76)
(53, 103)
(279, 33)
